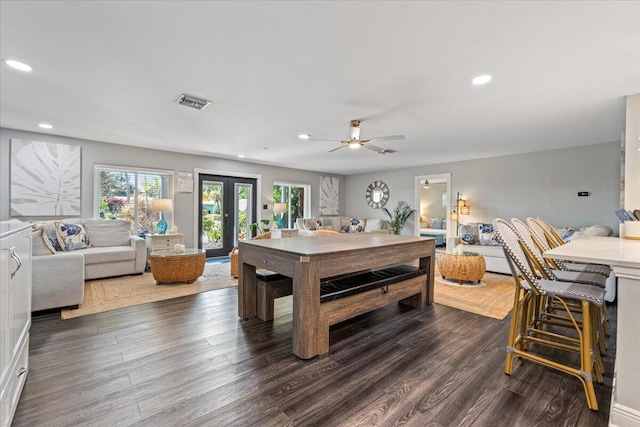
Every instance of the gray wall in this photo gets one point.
(543, 183)
(113, 154)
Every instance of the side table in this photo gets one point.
(465, 266)
(171, 266)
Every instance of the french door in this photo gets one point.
(227, 206)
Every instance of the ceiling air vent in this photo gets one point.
(193, 102)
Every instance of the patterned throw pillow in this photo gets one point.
(71, 236)
(49, 235)
(353, 225)
(39, 247)
(312, 224)
(469, 234)
(487, 236)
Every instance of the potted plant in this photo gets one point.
(401, 214)
(260, 228)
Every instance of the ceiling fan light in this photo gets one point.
(354, 145)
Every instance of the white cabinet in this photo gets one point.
(15, 314)
(283, 233)
(163, 242)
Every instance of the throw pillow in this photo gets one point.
(469, 234)
(39, 247)
(437, 223)
(373, 224)
(486, 235)
(49, 235)
(311, 224)
(105, 232)
(71, 236)
(353, 225)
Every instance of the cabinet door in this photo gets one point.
(5, 245)
(20, 291)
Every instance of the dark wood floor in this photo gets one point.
(191, 361)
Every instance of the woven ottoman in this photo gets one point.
(171, 266)
(466, 266)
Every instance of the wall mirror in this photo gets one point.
(377, 194)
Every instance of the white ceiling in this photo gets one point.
(110, 71)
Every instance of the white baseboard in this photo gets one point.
(623, 416)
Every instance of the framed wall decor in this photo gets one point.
(377, 194)
(45, 179)
(329, 195)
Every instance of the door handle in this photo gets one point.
(17, 259)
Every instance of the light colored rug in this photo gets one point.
(118, 292)
(494, 299)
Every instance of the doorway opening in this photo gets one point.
(434, 200)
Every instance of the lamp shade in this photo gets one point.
(279, 207)
(162, 205)
(464, 210)
(454, 216)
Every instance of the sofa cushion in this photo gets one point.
(104, 232)
(71, 236)
(39, 247)
(108, 254)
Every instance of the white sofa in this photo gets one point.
(342, 224)
(58, 276)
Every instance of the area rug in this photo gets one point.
(118, 292)
(494, 300)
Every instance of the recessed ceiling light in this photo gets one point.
(480, 80)
(18, 65)
(241, 156)
(45, 126)
(304, 136)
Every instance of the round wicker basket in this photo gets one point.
(172, 267)
(462, 267)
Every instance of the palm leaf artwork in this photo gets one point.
(45, 179)
(329, 195)
(401, 214)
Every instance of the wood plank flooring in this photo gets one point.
(191, 362)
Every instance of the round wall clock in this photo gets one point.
(377, 194)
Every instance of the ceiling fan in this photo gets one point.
(355, 142)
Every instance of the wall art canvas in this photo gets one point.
(45, 179)
(329, 195)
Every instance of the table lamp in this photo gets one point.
(280, 208)
(162, 205)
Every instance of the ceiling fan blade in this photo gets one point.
(387, 138)
(378, 149)
(337, 148)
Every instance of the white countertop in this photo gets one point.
(601, 250)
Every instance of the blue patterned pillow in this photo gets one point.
(486, 235)
(71, 236)
(353, 225)
(49, 236)
(469, 234)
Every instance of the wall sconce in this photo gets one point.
(460, 208)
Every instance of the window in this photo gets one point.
(128, 193)
(298, 200)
